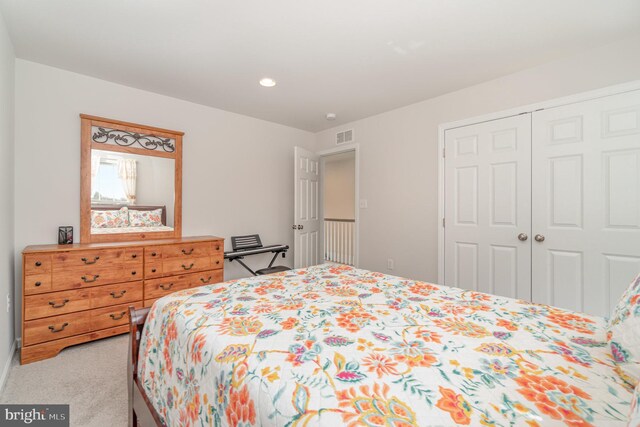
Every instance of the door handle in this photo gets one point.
(539, 238)
(523, 236)
(118, 316)
(300, 227)
(60, 329)
(294, 226)
(86, 280)
(60, 305)
(118, 295)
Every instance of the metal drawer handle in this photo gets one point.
(166, 287)
(218, 262)
(217, 248)
(38, 263)
(188, 268)
(120, 295)
(133, 273)
(189, 252)
(134, 256)
(60, 329)
(85, 280)
(118, 316)
(87, 262)
(153, 270)
(206, 281)
(38, 284)
(153, 254)
(62, 304)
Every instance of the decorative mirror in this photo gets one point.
(131, 181)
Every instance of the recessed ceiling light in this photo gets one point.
(267, 82)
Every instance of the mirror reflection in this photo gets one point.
(131, 193)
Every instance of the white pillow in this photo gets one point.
(145, 218)
(624, 333)
(110, 219)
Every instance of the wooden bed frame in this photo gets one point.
(141, 411)
(163, 217)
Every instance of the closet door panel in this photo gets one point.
(586, 202)
(487, 205)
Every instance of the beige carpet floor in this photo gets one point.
(91, 377)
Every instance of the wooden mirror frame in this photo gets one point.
(88, 143)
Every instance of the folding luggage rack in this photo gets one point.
(252, 245)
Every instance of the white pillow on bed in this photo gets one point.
(110, 218)
(624, 333)
(145, 218)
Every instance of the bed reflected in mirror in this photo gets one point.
(131, 193)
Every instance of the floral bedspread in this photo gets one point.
(334, 345)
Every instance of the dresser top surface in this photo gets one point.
(85, 246)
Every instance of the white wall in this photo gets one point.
(237, 171)
(399, 156)
(339, 185)
(7, 61)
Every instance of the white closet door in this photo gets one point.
(488, 205)
(586, 202)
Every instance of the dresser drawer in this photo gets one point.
(186, 265)
(217, 247)
(95, 259)
(53, 328)
(37, 283)
(204, 278)
(56, 303)
(160, 287)
(152, 253)
(152, 269)
(134, 255)
(88, 276)
(37, 264)
(121, 293)
(187, 250)
(108, 317)
(217, 260)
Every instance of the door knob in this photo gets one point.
(294, 226)
(300, 227)
(523, 236)
(539, 238)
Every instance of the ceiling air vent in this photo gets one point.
(344, 137)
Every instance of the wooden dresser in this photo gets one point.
(78, 293)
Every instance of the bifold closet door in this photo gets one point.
(488, 207)
(586, 202)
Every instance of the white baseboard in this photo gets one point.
(7, 366)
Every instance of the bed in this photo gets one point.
(334, 345)
(159, 226)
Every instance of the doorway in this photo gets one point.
(326, 214)
(338, 184)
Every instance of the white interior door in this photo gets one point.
(306, 211)
(488, 207)
(586, 193)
